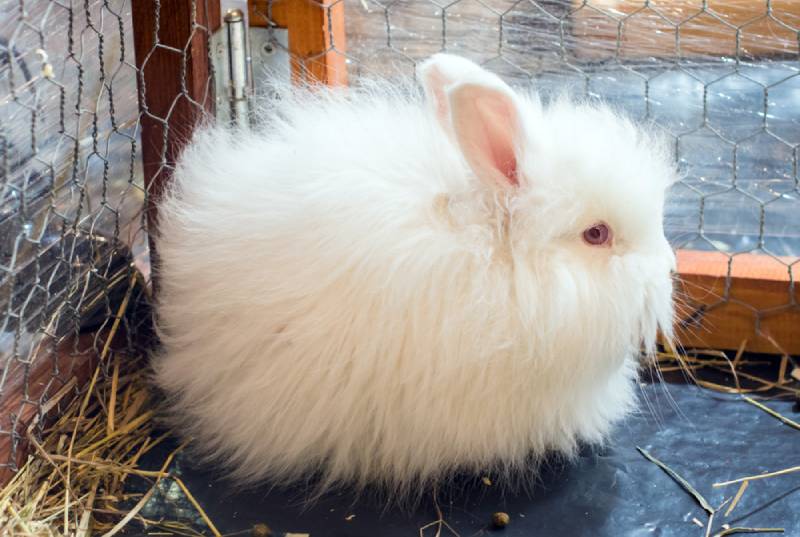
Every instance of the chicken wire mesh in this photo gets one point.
(721, 78)
(718, 78)
(72, 199)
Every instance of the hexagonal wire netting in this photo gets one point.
(72, 225)
(721, 78)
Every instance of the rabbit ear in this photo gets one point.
(478, 110)
(486, 123)
(440, 72)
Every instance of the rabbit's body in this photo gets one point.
(340, 294)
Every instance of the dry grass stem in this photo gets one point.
(82, 462)
(783, 419)
(759, 476)
(439, 523)
(709, 524)
(737, 497)
(112, 401)
(197, 506)
(681, 481)
(735, 530)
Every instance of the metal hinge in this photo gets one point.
(238, 51)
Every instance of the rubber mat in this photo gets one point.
(611, 492)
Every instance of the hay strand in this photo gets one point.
(79, 475)
(197, 506)
(759, 476)
(144, 499)
(112, 400)
(780, 417)
(734, 530)
(737, 497)
(681, 481)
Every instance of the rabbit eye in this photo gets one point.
(597, 235)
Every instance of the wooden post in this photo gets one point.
(175, 86)
(316, 36)
(744, 297)
(64, 366)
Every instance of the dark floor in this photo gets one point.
(704, 436)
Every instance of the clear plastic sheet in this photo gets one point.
(71, 193)
(71, 188)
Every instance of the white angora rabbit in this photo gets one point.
(381, 288)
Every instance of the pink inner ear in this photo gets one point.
(499, 121)
(441, 105)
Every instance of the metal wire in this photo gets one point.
(724, 84)
(72, 224)
(723, 81)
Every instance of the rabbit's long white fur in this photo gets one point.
(352, 292)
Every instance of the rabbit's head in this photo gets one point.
(581, 192)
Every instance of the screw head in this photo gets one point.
(234, 15)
